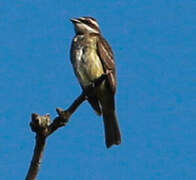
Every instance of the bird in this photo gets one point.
(91, 57)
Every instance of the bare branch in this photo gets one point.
(39, 126)
(43, 127)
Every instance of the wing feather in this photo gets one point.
(107, 58)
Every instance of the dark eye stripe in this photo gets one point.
(87, 22)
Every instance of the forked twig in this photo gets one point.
(43, 127)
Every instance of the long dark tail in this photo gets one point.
(95, 105)
(112, 130)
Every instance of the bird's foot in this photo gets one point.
(89, 89)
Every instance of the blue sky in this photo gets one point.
(155, 49)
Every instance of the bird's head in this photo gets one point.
(85, 25)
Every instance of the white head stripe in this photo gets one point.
(90, 29)
(91, 20)
(94, 22)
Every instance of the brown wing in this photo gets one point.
(107, 58)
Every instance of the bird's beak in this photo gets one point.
(74, 20)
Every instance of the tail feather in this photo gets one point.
(95, 105)
(112, 130)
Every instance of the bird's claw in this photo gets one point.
(89, 89)
(91, 85)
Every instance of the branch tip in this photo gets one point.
(43, 127)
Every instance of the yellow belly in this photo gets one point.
(86, 62)
(89, 68)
